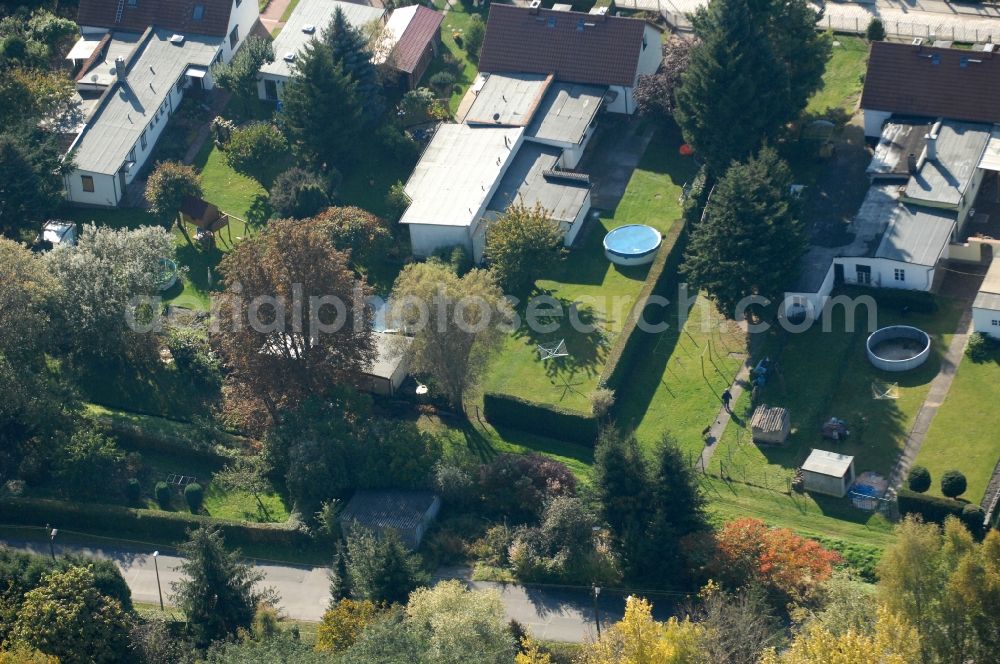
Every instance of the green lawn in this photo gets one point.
(824, 374)
(454, 58)
(963, 435)
(842, 80)
(812, 516)
(668, 392)
(605, 292)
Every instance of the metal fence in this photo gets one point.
(949, 30)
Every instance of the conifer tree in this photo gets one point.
(350, 49)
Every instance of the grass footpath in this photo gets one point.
(963, 435)
(603, 293)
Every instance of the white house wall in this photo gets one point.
(279, 83)
(574, 228)
(245, 16)
(425, 239)
(650, 59)
(986, 321)
(917, 277)
(815, 302)
(105, 194)
(874, 121)
(969, 199)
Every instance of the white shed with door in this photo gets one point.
(827, 472)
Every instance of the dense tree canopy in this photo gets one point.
(522, 244)
(750, 238)
(293, 324)
(239, 75)
(378, 568)
(350, 48)
(29, 187)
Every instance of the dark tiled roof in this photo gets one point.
(423, 29)
(575, 47)
(176, 15)
(933, 82)
(389, 508)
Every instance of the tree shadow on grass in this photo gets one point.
(581, 329)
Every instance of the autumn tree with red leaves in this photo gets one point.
(790, 567)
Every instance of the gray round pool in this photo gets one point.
(898, 348)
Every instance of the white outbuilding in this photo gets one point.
(827, 472)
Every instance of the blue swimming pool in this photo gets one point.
(634, 244)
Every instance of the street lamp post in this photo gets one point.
(156, 554)
(52, 546)
(597, 612)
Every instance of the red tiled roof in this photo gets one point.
(423, 28)
(932, 82)
(177, 15)
(575, 47)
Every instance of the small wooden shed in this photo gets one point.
(202, 214)
(770, 425)
(827, 472)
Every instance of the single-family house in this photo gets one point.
(229, 20)
(306, 22)
(574, 47)
(918, 80)
(411, 39)
(408, 513)
(133, 99)
(453, 183)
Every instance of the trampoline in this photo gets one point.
(634, 244)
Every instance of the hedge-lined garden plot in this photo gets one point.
(827, 374)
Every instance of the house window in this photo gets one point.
(198, 13)
(270, 90)
(142, 139)
(180, 84)
(131, 154)
(899, 275)
(239, 2)
(234, 37)
(995, 322)
(864, 273)
(133, 3)
(88, 183)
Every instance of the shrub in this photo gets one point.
(953, 484)
(194, 495)
(453, 484)
(90, 466)
(474, 35)
(298, 194)
(162, 493)
(980, 348)
(919, 479)
(522, 244)
(442, 83)
(519, 486)
(935, 509)
(973, 517)
(456, 257)
(133, 491)
(358, 231)
(601, 401)
(255, 148)
(193, 356)
(416, 104)
(541, 419)
(875, 30)
(396, 201)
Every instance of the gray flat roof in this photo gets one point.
(916, 234)
(944, 180)
(129, 107)
(456, 173)
(832, 464)
(390, 349)
(315, 13)
(989, 301)
(389, 508)
(120, 45)
(509, 99)
(530, 181)
(566, 112)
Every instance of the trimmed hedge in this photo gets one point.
(541, 419)
(895, 299)
(933, 508)
(145, 525)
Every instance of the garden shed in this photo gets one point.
(409, 513)
(770, 425)
(390, 367)
(827, 472)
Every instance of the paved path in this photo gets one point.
(552, 614)
(270, 18)
(722, 420)
(935, 397)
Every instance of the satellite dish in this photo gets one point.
(93, 78)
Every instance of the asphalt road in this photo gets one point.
(552, 614)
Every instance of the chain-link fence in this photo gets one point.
(952, 30)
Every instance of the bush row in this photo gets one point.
(146, 433)
(544, 420)
(896, 299)
(933, 508)
(145, 525)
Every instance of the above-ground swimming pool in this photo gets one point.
(634, 244)
(898, 348)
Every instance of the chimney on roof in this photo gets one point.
(911, 163)
(931, 140)
(533, 7)
(120, 68)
